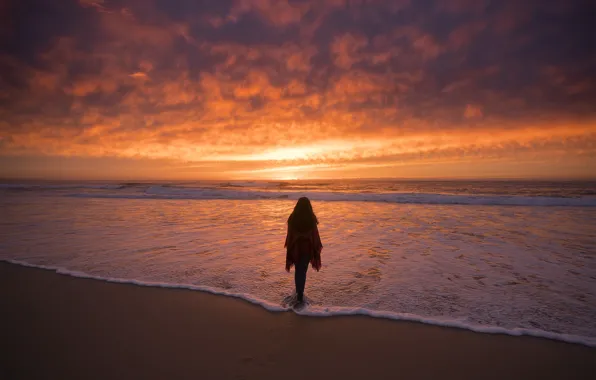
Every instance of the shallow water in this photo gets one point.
(489, 268)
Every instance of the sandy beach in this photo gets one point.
(61, 327)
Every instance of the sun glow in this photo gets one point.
(286, 178)
(288, 154)
(320, 150)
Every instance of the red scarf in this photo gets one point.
(303, 243)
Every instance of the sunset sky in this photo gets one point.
(265, 89)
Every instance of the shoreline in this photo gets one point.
(323, 312)
(60, 326)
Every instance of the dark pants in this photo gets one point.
(300, 276)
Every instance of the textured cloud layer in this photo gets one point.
(263, 88)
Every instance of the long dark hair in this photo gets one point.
(303, 218)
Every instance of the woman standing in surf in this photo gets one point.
(303, 244)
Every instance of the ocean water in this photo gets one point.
(491, 256)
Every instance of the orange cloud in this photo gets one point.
(277, 12)
(346, 49)
(472, 112)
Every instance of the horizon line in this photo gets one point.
(480, 179)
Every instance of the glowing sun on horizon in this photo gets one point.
(286, 178)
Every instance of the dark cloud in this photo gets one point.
(35, 24)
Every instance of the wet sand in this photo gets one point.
(61, 327)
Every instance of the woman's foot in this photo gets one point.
(300, 298)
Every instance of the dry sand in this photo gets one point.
(61, 327)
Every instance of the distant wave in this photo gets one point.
(248, 190)
(166, 192)
(330, 311)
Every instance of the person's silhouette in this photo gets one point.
(303, 243)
